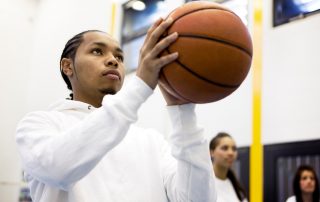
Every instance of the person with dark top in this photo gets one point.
(305, 185)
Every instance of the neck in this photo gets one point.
(94, 101)
(306, 197)
(220, 172)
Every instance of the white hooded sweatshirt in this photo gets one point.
(77, 153)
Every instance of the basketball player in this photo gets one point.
(87, 149)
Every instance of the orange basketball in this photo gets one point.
(215, 52)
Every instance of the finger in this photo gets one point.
(163, 44)
(164, 60)
(159, 30)
(153, 27)
(149, 32)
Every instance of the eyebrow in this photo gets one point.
(118, 49)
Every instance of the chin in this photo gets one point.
(108, 91)
(309, 190)
(228, 166)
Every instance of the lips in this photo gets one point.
(229, 160)
(112, 74)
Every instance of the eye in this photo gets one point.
(119, 58)
(234, 148)
(97, 51)
(224, 148)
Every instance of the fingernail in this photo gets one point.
(169, 20)
(175, 34)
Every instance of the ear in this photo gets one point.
(67, 66)
(211, 153)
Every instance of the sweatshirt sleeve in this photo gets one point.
(192, 179)
(60, 158)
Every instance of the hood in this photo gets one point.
(65, 104)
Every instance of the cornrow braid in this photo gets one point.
(69, 51)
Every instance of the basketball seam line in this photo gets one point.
(193, 11)
(217, 40)
(201, 77)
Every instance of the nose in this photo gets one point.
(111, 61)
(231, 152)
(309, 180)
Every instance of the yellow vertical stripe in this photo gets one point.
(256, 150)
(113, 19)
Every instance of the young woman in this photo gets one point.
(223, 152)
(305, 185)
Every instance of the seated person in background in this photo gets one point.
(305, 185)
(223, 153)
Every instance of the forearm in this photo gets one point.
(193, 180)
(63, 157)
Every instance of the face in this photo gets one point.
(307, 182)
(98, 66)
(225, 153)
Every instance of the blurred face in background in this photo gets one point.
(225, 152)
(307, 182)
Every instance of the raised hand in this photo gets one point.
(171, 99)
(150, 63)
